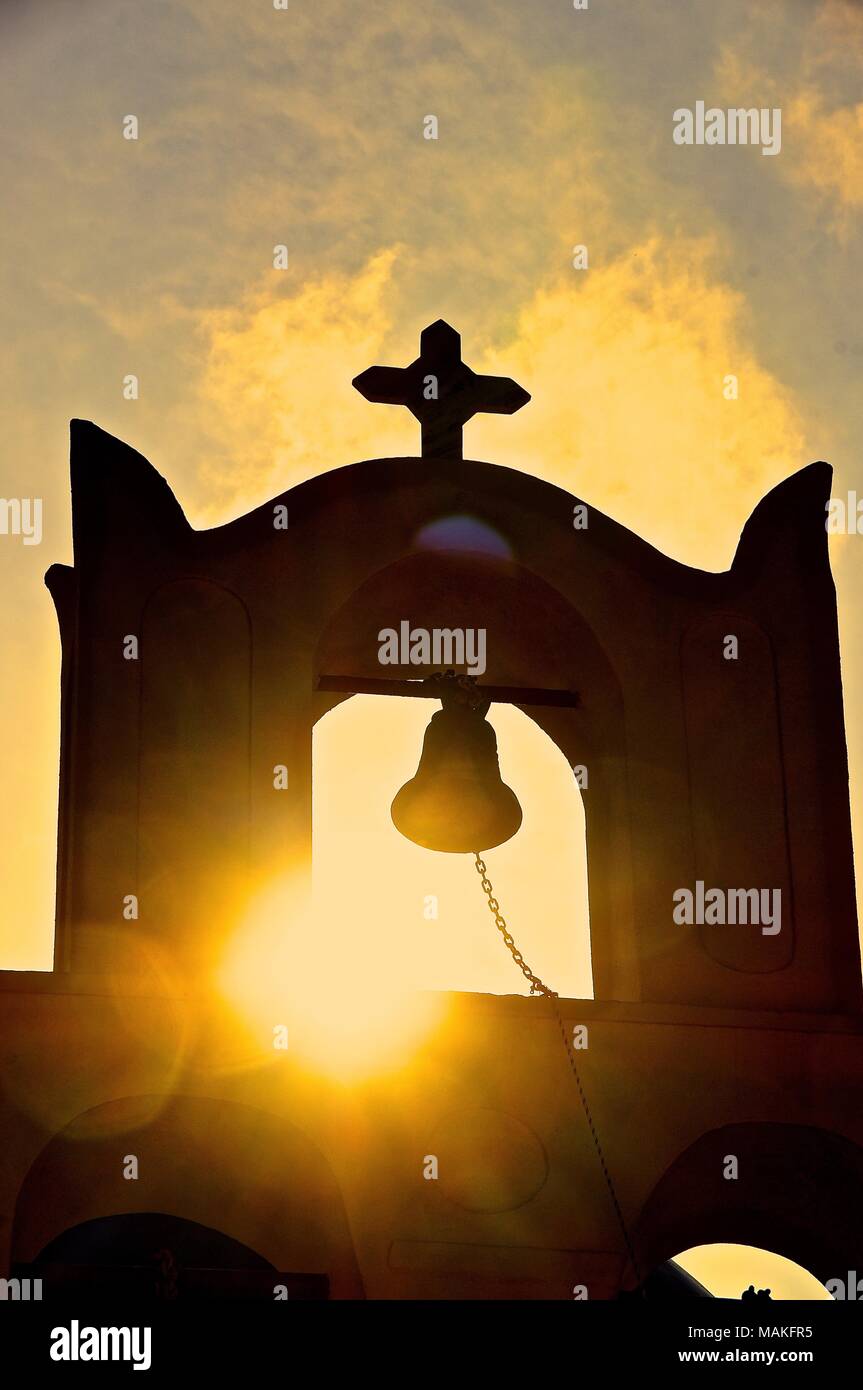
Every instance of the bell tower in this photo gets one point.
(727, 773)
(196, 665)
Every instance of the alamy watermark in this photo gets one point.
(22, 516)
(77, 1343)
(20, 1290)
(438, 647)
(738, 125)
(844, 515)
(849, 1289)
(729, 907)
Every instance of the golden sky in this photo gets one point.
(305, 127)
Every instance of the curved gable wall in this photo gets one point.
(597, 606)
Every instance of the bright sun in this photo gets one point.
(352, 967)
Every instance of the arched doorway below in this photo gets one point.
(730, 1271)
(760, 1204)
(142, 1258)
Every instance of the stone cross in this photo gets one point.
(441, 391)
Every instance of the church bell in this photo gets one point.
(456, 801)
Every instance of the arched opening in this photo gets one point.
(420, 918)
(772, 1205)
(152, 1257)
(533, 637)
(731, 1271)
(185, 1222)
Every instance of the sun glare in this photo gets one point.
(356, 967)
(345, 1013)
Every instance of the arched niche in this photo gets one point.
(737, 783)
(534, 637)
(146, 1258)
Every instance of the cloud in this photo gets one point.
(815, 85)
(275, 396)
(626, 364)
(306, 127)
(829, 147)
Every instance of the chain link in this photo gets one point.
(536, 984)
(538, 987)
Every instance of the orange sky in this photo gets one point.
(304, 127)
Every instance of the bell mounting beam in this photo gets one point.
(429, 690)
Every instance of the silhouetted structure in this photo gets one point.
(705, 1041)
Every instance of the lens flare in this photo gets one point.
(298, 970)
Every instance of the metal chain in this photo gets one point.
(536, 984)
(538, 987)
